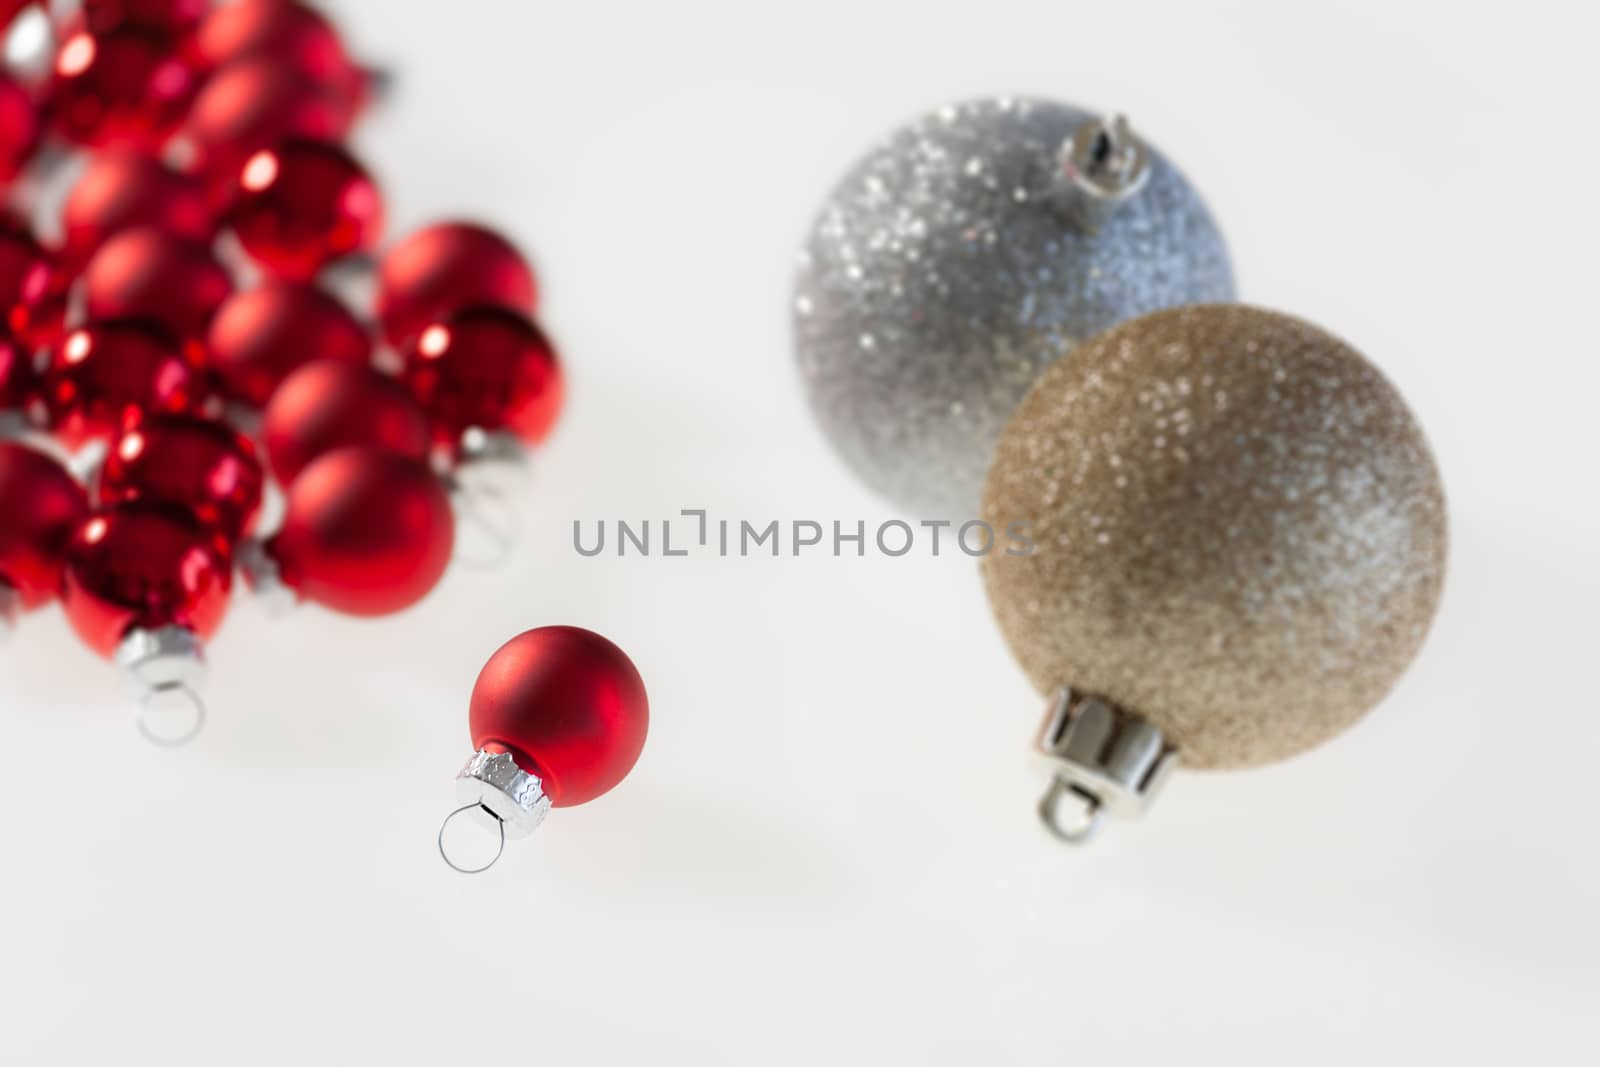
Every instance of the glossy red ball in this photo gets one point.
(262, 335)
(103, 377)
(486, 368)
(122, 190)
(203, 466)
(145, 273)
(144, 566)
(291, 34)
(365, 532)
(568, 706)
(326, 406)
(303, 205)
(251, 105)
(19, 127)
(128, 86)
(41, 507)
(440, 269)
(33, 287)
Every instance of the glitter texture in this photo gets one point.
(1240, 531)
(945, 273)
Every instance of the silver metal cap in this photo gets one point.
(1103, 165)
(1102, 758)
(164, 670)
(265, 578)
(494, 783)
(487, 482)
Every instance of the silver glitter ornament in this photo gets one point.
(1239, 545)
(966, 253)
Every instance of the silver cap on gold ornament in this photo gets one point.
(164, 670)
(1102, 760)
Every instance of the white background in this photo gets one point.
(828, 854)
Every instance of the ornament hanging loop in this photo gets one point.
(175, 703)
(164, 670)
(1102, 166)
(1085, 823)
(1107, 759)
(500, 826)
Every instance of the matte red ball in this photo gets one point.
(19, 382)
(365, 532)
(203, 466)
(250, 105)
(145, 273)
(486, 368)
(144, 566)
(262, 335)
(568, 706)
(440, 269)
(33, 287)
(291, 34)
(102, 378)
(41, 507)
(303, 205)
(122, 190)
(19, 127)
(128, 86)
(326, 406)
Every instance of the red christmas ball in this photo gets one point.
(144, 565)
(205, 467)
(262, 335)
(33, 288)
(440, 269)
(326, 406)
(251, 105)
(18, 381)
(568, 706)
(128, 86)
(303, 205)
(19, 127)
(365, 532)
(487, 368)
(163, 279)
(41, 507)
(122, 190)
(103, 377)
(290, 34)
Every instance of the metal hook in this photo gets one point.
(452, 864)
(169, 698)
(1050, 812)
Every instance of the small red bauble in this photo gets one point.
(303, 205)
(326, 406)
(163, 279)
(127, 86)
(144, 566)
(103, 377)
(486, 368)
(440, 269)
(250, 105)
(122, 190)
(288, 33)
(262, 335)
(19, 127)
(568, 706)
(365, 532)
(33, 288)
(41, 507)
(206, 467)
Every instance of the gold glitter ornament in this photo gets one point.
(1239, 544)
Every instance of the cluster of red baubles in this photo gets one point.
(214, 135)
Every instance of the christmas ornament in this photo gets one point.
(205, 467)
(33, 294)
(485, 368)
(146, 585)
(1240, 542)
(121, 190)
(103, 377)
(291, 35)
(365, 532)
(963, 255)
(303, 205)
(127, 86)
(558, 718)
(41, 507)
(262, 335)
(440, 269)
(174, 17)
(19, 127)
(251, 105)
(162, 279)
(328, 405)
